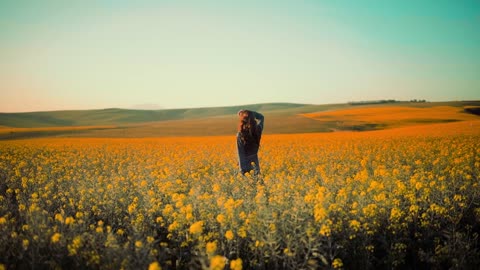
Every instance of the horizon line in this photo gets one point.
(240, 105)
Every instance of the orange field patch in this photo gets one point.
(394, 116)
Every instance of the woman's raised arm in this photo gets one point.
(260, 118)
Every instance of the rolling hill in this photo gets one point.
(280, 118)
(115, 116)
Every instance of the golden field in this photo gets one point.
(395, 113)
(394, 116)
(398, 198)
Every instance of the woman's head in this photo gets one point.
(243, 113)
(247, 120)
(247, 126)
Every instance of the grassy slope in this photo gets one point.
(280, 118)
(123, 116)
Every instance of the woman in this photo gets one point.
(248, 140)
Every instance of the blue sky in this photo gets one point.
(174, 54)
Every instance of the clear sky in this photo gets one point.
(174, 54)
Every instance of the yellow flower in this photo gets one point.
(168, 210)
(25, 244)
(395, 214)
(272, 227)
(154, 266)
(172, 227)
(196, 228)
(418, 186)
(337, 263)
(3, 220)
(22, 207)
(150, 239)
(379, 197)
(288, 252)
(75, 245)
(69, 220)
(229, 235)
(355, 225)
(138, 244)
(217, 263)
(325, 230)
(414, 209)
(242, 232)
(132, 208)
(236, 264)
(59, 218)
(211, 247)
(55, 237)
(2, 267)
(319, 213)
(221, 219)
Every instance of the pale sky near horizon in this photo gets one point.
(58, 55)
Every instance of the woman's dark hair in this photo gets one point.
(248, 128)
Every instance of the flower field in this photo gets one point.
(389, 199)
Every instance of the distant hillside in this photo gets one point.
(116, 116)
(280, 118)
